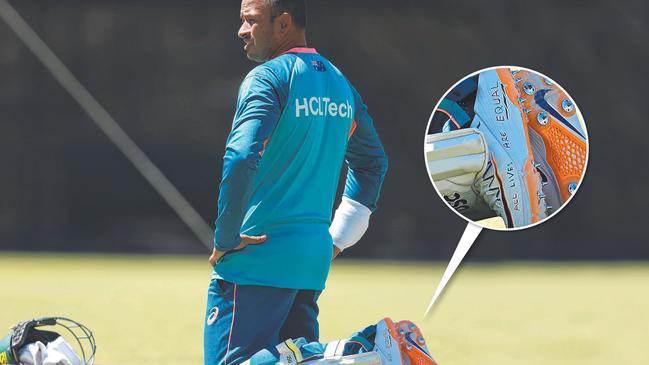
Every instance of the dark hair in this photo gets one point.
(297, 9)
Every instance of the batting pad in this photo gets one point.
(455, 154)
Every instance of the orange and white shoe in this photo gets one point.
(511, 185)
(401, 343)
(557, 135)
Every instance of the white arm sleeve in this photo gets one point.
(350, 223)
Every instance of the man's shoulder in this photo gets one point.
(273, 75)
(277, 70)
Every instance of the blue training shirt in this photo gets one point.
(297, 120)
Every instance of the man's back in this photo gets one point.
(300, 167)
(306, 107)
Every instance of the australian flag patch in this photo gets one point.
(318, 66)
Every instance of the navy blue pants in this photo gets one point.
(243, 319)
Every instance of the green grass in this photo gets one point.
(150, 310)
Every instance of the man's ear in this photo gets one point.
(285, 22)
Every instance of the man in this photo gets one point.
(297, 120)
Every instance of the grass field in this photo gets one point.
(150, 310)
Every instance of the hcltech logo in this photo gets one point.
(323, 107)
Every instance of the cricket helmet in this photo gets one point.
(48, 329)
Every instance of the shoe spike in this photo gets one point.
(567, 105)
(542, 118)
(529, 88)
(572, 187)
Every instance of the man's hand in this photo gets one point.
(245, 241)
(336, 252)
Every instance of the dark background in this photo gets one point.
(169, 71)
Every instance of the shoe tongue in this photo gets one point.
(386, 346)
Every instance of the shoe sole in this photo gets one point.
(565, 149)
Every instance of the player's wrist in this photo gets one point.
(350, 222)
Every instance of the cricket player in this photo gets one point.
(297, 120)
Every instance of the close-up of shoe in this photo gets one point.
(505, 164)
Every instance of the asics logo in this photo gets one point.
(214, 313)
(322, 107)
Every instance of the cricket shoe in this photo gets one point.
(556, 133)
(401, 343)
(511, 185)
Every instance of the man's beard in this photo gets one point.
(255, 58)
(260, 56)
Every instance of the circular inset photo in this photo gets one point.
(506, 147)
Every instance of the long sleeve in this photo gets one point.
(258, 111)
(365, 158)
